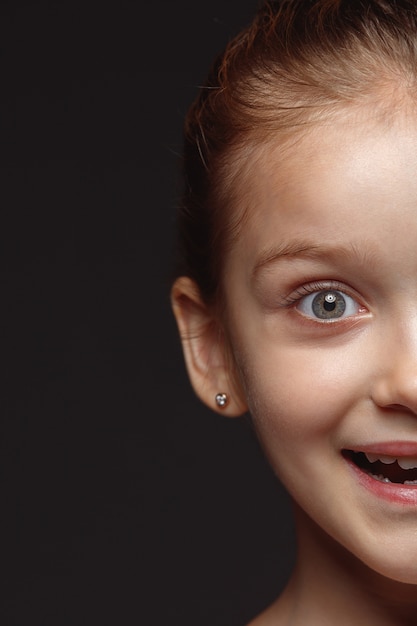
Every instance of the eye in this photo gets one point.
(328, 304)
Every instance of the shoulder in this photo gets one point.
(277, 614)
(269, 617)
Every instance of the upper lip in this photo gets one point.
(388, 448)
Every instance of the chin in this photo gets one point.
(398, 571)
(381, 557)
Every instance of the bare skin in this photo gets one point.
(319, 341)
(325, 583)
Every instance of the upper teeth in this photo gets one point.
(406, 462)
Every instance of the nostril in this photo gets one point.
(397, 407)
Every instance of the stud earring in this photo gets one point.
(221, 400)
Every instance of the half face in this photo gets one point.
(322, 311)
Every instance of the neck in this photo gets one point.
(331, 586)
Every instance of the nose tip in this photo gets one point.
(394, 361)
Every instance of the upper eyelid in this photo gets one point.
(316, 286)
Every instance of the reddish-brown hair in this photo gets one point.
(296, 63)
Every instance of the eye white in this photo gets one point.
(328, 304)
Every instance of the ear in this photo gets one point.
(207, 357)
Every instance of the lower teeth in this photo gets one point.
(384, 479)
(381, 478)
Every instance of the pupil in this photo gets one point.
(329, 306)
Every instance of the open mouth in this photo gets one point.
(387, 469)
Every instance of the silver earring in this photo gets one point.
(221, 400)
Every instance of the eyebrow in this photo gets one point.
(364, 255)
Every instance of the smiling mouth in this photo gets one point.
(386, 469)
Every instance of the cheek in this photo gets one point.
(297, 394)
(298, 402)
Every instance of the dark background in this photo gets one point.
(123, 500)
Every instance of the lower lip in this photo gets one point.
(391, 492)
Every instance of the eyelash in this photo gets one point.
(306, 290)
(296, 298)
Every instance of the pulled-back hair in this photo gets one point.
(295, 64)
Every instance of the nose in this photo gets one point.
(395, 384)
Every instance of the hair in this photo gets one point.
(297, 63)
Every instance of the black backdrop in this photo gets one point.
(123, 500)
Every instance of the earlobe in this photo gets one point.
(205, 351)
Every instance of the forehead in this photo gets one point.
(354, 169)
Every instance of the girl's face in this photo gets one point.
(322, 312)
